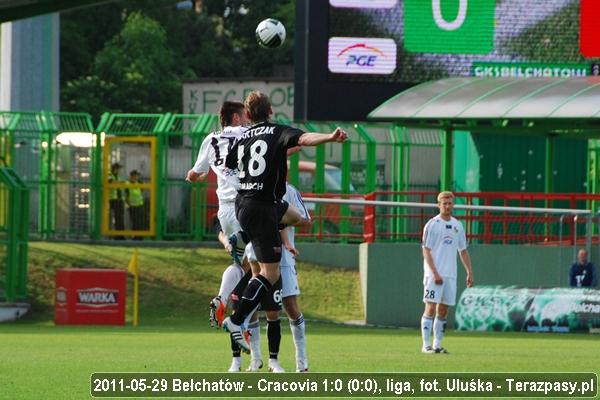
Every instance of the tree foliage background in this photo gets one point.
(134, 55)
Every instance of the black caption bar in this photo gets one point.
(344, 385)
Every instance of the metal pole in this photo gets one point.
(447, 160)
(588, 233)
(371, 164)
(560, 235)
(98, 173)
(346, 166)
(532, 210)
(575, 219)
(548, 164)
(159, 159)
(598, 217)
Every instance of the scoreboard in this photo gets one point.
(351, 55)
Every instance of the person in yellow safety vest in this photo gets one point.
(135, 201)
(115, 200)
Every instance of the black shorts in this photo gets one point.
(271, 302)
(260, 220)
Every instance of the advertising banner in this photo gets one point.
(90, 296)
(208, 96)
(502, 308)
(533, 70)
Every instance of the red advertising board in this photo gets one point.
(90, 296)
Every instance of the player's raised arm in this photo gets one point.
(315, 139)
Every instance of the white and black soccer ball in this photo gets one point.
(270, 33)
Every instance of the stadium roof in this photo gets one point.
(564, 106)
(548, 107)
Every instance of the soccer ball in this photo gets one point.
(270, 33)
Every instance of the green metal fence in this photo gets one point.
(183, 209)
(57, 170)
(60, 157)
(376, 157)
(187, 211)
(14, 235)
(129, 155)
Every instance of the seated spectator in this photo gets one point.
(583, 273)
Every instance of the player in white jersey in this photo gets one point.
(212, 153)
(289, 279)
(443, 237)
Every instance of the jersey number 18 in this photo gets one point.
(257, 163)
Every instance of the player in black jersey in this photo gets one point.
(261, 158)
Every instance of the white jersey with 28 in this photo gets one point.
(444, 239)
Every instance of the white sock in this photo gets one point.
(254, 329)
(297, 328)
(426, 326)
(439, 327)
(237, 361)
(231, 277)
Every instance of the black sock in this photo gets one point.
(274, 337)
(256, 289)
(235, 348)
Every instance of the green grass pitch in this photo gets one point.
(44, 361)
(41, 361)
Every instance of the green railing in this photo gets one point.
(14, 235)
(376, 157)
(66, 178)
(183, 209)
(58, 173)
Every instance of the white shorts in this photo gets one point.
(227, 219)
(444, 293)
(289, 276)
(289, 281)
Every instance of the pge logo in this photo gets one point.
(447, 240)
(362, 55)
(363, 60)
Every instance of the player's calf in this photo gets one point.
(274, 337)
(237, 243)
(258, 287)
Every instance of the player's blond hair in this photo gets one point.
(258, 106)
(444, 195)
